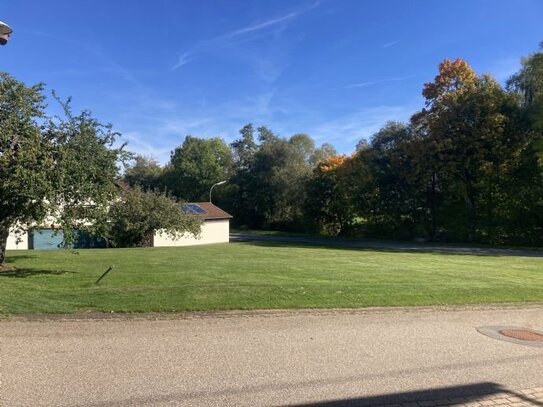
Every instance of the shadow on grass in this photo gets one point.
(384, 247)
(28, 272)
(15, 257)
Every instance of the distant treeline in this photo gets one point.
(467, 167)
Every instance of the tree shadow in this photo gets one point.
(15, 257)
(29, 272)
(383, 247)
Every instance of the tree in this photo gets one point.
(524, 208)
(136, 217)
(279, 175)
(333, 193)
(424, 172)
(144, 172)
(269, 181)
(303, 146)
(63, 168)
(465, 123)
(392, 204)
(244, 148)
(265, 135)
(241, 192)
(195, 166)
(325, 151)
(528, 82)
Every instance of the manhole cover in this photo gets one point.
(522, 335)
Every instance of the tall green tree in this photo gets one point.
(528, 82)
(51, 168)
(279, 176)
(425, 173)
(303, 147)
(269, 184)
(195, 166)
(334, 193)
(144, 172)
(241, 198)
(244, 148)
(393, 202)
(524, 208)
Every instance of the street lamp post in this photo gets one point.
(213, 186)
(5, 32)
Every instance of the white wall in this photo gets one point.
(213, 231)
(12, 242)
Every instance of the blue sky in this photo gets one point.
(334, 69)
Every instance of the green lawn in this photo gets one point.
(258, 276)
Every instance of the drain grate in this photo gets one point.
(522, 335)
(518, 335)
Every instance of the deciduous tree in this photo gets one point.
(138, 214)
(64, 168)
(144, 172)
(465, 124)
(195, 166)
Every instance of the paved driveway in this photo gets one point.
(386, 245)
(327, 358)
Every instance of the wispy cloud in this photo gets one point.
(262, 25)
(347, 130)
(182, 60)
(137, 144)
(377, 82)
(104, 62)
(156, 129)
(504, 68)
(226, 39)
(389, 44)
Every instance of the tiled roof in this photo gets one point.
(212, 211)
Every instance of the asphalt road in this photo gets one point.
(316, 358)
(385, 245)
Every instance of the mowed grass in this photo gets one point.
(259, 276)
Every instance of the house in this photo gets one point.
(13, 244)
(215, 227)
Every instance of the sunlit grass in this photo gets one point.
(259, 276)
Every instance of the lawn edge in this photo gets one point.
(310, 312)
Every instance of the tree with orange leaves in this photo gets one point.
(463, 124)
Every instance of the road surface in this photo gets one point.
(310, 358)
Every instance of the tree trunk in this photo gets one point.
(433, 225)
(4, 233)
(472, 213)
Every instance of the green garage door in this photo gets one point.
(45, 239)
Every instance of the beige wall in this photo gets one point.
(213, 231)
(12, 242)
